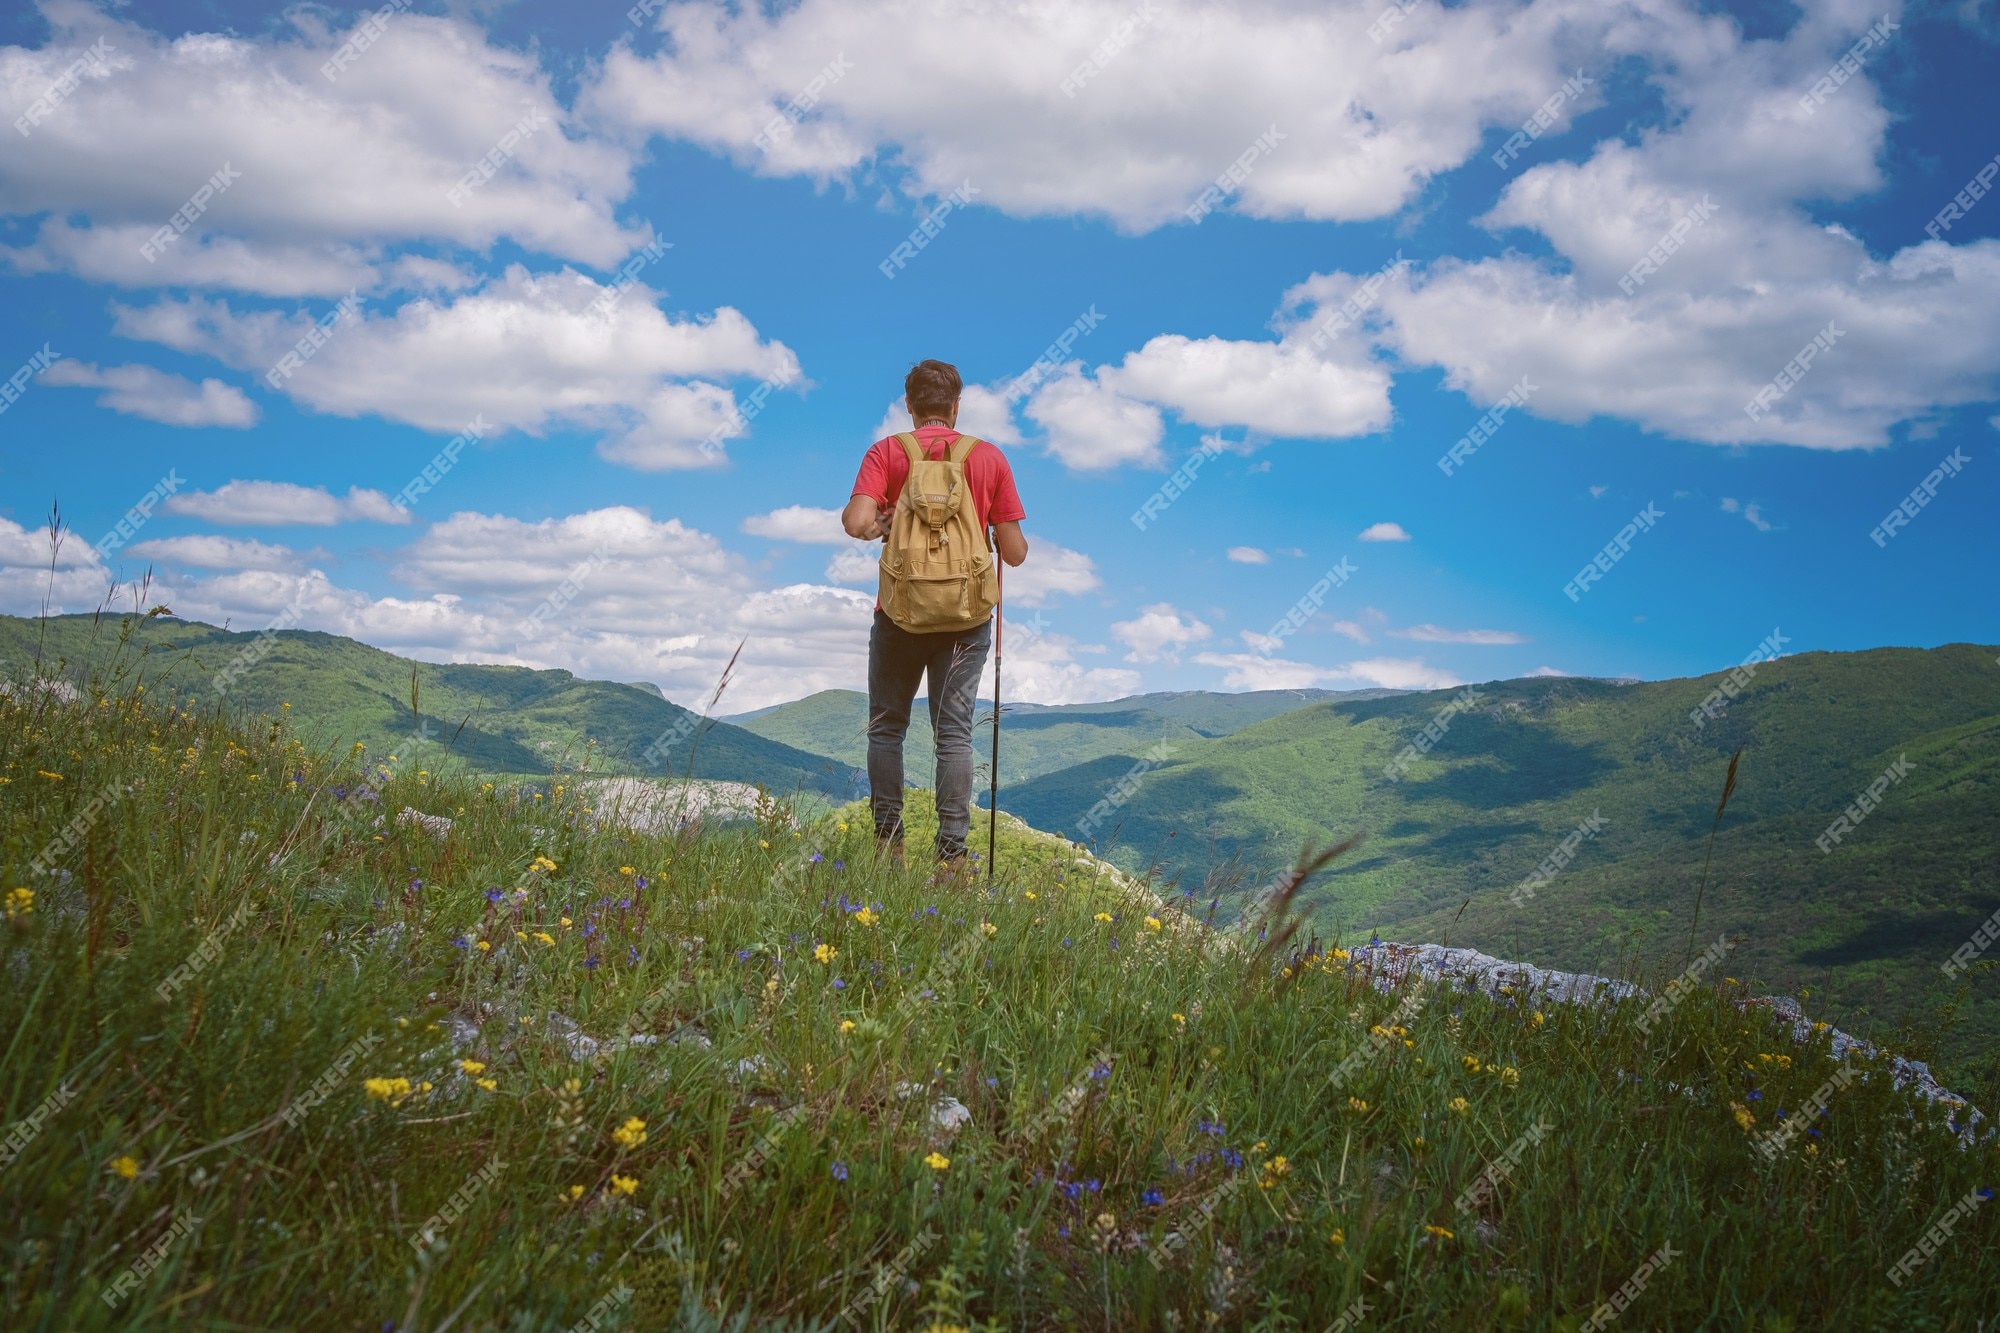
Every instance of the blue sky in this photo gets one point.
(1058, 152)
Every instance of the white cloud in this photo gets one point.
(1546, 671)
(70, 579)
(1689, 348)
(1752, 513)
(1050, 571)
(799, 523)
(1598, 492)
(1252, 671)
(143, 391)
(527, 352)
(1091, 426)
(1353, 630)
(1439, 634)
(1273, 388)
(1364, 125)
(857, 566)
(212, 551)
(1249, 555)
(1040, 668)
(279, 503)
(328, 173)
(1396, 673)
(1384, 532)
(1158, 633)
(1112, 415)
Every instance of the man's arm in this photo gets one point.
(1012, 545)
(864, 520)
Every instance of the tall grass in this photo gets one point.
(1139, 1087)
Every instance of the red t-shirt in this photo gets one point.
(885, 467)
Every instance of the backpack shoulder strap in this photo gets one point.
(911, 448)
(962, 448)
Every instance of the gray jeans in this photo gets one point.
(897, 661)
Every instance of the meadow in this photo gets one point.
(278, 1058)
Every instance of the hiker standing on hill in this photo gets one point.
(938, 590)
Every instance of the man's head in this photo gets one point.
(931, 390)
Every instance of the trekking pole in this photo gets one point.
(993, 800)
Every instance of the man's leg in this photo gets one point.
(955, 669)
(895, 665)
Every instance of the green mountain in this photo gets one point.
(1034, 738)
(496, 719)
(1446, 846)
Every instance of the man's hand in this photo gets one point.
(863, 519)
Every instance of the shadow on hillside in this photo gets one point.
(1894, 934)
(1514, 765)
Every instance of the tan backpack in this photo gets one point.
(937, 573)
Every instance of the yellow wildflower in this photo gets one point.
(484, 946)
(843, 826)
(1357, 1104)
(472, 1066)
(866, 917)
(575, 1193)
(1460, 1105)
(626, 870)
(846, 1026)
(1338, 1237)
(487, 1083)
(386, 1089)
(20, 902)
(127, 1167)
(1180, 1019)
(988, 929)
(1029, 894)
(1538, 1018)
(1744, 1118)
(564, 922)
(937, 1161)
(630, 1134)
(545, 938)
(625, 1184)
(825, 953)
(1441, 1233)
(1153, 923)
(1103, 916)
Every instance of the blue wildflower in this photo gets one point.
(461, 943)
(493, 895)
(839, 1170)
(838, 984)
(1152, 1198)
(742, 955)
(591, 962)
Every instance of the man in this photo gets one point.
(953, 661)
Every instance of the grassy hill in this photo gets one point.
(273, 1065)
(1533, 759)
(1035, 738)
(497, 719)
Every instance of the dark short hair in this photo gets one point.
(932, 387)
